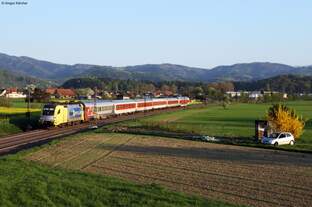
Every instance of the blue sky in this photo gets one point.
(202, 33)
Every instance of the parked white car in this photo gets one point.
(279, 139)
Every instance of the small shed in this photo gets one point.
(261, 129)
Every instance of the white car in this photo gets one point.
(279, 139)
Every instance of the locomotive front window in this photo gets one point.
(48, 111)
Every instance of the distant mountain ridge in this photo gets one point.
(152, 72)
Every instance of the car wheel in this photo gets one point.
(291, 142)
(275, 144)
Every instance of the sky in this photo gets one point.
(198, 33)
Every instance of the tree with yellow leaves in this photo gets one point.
(283, 119)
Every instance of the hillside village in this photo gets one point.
(63, 93)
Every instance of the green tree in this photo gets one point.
(225, 101)
(84, 92)
(40, 95)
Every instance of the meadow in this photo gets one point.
(25, 183)
(238, 120)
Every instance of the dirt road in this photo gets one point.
(242, 175)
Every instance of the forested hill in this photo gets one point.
(8, 79)
(285, 83)
(291, 84)
(148, 72)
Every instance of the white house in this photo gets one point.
(233, 93)
(255, 94)
(14, 93)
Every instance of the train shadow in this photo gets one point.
(244, 155)
(24, 122)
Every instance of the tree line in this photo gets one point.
(194, 90)
(109, 88)
(291, 84)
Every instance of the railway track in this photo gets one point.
(17, 142)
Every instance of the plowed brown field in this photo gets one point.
(242, 175)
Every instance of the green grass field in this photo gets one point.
(24, 183)
(236, 121)
(20, 103)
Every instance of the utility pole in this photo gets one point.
(28, 109)
(144, 103)
(28, 105)
(95, 109)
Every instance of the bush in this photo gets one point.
(283, 119)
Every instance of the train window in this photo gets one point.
(107, 108)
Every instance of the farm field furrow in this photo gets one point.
(46, 153)
(202, 182)
(213, 167)
(251, 184)
(233, 170)
(234, 174)
(220, 181)
(58, 154)
(208, 189)
(85, 158)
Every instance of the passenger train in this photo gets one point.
(61, 114)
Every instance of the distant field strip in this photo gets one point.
(240, 175)
(10, 110)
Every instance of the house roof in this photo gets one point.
(11, 90)
(60, 91)
(50, 90)
(65, 92)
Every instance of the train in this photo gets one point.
(58, 114)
